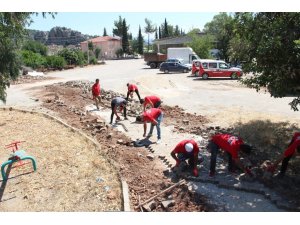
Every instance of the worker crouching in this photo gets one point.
(187, 150)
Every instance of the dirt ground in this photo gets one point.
(68, 102)
(72, 175)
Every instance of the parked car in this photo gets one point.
(167, 67)
(217, 68)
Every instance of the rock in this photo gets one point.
(186, 121)
(161, 156)
(151, 157)
(120, 141)
(140, 155)
(168, 203)
(152, 191)
(181, 128)
(101, 130)
(112, 195)
(48, 100)
(150, 206)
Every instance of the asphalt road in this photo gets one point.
(223, 100)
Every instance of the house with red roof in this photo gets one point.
(108, 45)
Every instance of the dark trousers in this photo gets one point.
(113, 105)
(284, 165)
(214, 148)
(157, 104)
(137, 93)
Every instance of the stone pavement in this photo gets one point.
(226, 191)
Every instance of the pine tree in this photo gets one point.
(159, 33)
(125, 42)
(140, 42)
(166, 31)
(156, 35)
(176, 32)
(104, 32)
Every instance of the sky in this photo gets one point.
(94, 23)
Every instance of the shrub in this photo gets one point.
(56, 62)
(31, 59)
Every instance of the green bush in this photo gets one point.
(55, 62)
(93, 60)
(36, 47)
(31, 59)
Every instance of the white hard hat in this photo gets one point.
(189, 147)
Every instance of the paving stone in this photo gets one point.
(150, 206)
(151, 157)
(168, 203)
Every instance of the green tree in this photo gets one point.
(12, 32)
(149, 29)
(70, 56)
(176, 32)
(104, 32)
(165, 29)
(221, 27)
(159, 33)
(125, 42)
(119, 52)
(271, 51)
(156, 34)
(36, 47)
(118, 30)
(200, 44)
(97, 52)
(140, 42)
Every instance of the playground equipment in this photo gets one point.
(17, 156)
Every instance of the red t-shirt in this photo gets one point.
(132, 87)
(293, 146)
(180, 147)
(96, 89)
(152, 99)
(228, 143)
(151, 114)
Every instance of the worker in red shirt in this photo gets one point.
(152, 101)
(96, 93)
(292, 150)
(132, 88)
(231, 145)
(155, 117)
(187, 149)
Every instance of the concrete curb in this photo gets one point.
(126, 201)
(124, 186)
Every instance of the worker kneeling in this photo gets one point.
(187, 149)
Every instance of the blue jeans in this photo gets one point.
(159, 120)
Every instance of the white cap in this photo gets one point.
(189, 147)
